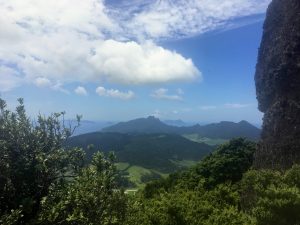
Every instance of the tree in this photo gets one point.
(32, 158)
(272, 197)
(92, 198)
(228, 163)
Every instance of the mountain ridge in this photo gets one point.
(223, 129)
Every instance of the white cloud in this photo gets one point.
(157, 113)
(89, 41)
(81, 91)
(37, 16)
(101, 91)
(133, 63)
(162, 93)
(70, 41)
(181, 18)
(59, 87)
(171, 113)
(114, 93)
(42, 82)
(236, 105)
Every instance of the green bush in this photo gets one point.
(92, 198)
(278, 205)
(190, 207)
(272, 197)
(228, 163)
(32, 158)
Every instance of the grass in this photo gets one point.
(208, 141)
(122, 166)
(186, 163)
(136, 173)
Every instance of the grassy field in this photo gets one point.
(122, 166)
(136, 173)
(185, 163)
(208, 141)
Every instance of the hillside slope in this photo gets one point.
(162, 152)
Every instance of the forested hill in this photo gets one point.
(224, 130)
(142, 125)
(162, 152)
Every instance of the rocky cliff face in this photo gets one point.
(278, 86)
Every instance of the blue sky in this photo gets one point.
(117, 60)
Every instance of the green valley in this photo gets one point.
(144, 157)
(209, 141)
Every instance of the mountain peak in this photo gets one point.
(244, 122)
(150, 124)
(152, 118)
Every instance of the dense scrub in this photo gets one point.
(222, 189)
(42, 182)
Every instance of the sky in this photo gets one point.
(117, 60)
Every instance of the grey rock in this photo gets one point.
(277, 81)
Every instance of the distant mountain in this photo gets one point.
(160, 152)
(177, 123)
(142, 125)
(87, 126)
(223, 130)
